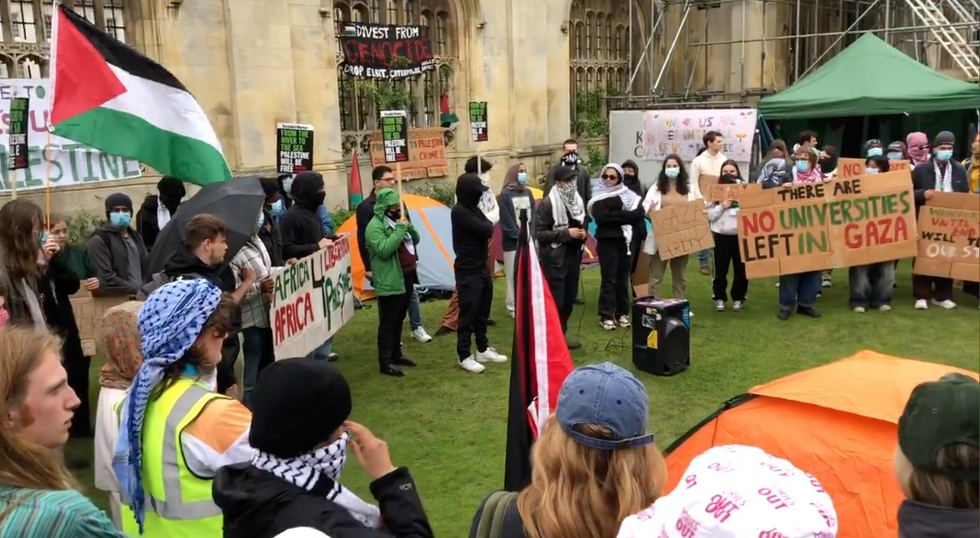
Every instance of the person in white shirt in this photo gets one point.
(708, 163)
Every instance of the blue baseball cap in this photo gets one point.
(609, 396)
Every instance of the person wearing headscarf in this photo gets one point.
(516, 203)
(303, 436)
(616, 211)
(175, 432)
(121, 338)
(940, 174)
(560, 229)
(158, 209)
(917, 145)
(807, 512)
(774, 173)
(472, 230)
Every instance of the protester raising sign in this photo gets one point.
(294, 146)
(426, 153)
(384, 52)
(65, 162)
(848, 168)
(312, 300)
(843, 223)
(948, 232)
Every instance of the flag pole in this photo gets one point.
(47, 177)
(401, 194)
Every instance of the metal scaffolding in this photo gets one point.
(673, 50)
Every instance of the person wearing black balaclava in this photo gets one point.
(631, 178)
(157, 210)
(472, 230)
(570, 159)
(302, 231)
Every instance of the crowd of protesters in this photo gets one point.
(177, 454)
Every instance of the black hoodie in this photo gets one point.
(257, 504)
(917, 520)
(300, 227)
(633, 182)
(472, 230)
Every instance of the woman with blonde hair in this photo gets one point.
(37, 494)
(593, 465)
(937, 460)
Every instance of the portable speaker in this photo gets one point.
(661, 336)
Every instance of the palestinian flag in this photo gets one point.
(540, 364)
(112, 98)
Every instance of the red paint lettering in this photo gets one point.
(764, 221)
(876, 232)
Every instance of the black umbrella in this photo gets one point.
(236, 201)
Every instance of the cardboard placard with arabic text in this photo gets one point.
(721, 192)
(681, 229)
(848, 168)
(820, 226)
(948, 232)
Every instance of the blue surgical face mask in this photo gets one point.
(869, 171)
(944, 155)
(287, 185)
(120, 220)
(875, 152)
(894, 155)
(802, 166)
(277, 208)
(672, 172)
(522, 178)
(261, 222)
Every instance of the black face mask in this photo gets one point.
(628, 176)
(394, 215)
(319, 198)
(728, 179)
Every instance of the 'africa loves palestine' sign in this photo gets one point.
(67, 162)
(312, 300)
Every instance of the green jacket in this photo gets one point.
(382, 242)
(76, 258)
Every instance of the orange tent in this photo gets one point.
(837, 422)
(435, 249)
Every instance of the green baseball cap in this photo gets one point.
(938, 414)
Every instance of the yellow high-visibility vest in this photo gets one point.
(178, 504)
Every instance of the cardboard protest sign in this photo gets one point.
(384, 51)
(312, 300)
(720, 192)
(426, 153)
(89, 311)
(294, 146)
(705, 182)
(848, 168)
(814, 227)
(681, 229)
(948, 232)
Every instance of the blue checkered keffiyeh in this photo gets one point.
(169, 323)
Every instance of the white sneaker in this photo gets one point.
(607, 324)
(490, 355)
(858, 309)
(624, 321)
(420, 335)
(738, 306)
(471, 366)
(921, 304)
(947, 304)
(885, 308)
(719, 306)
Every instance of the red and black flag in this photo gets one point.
(541, 362)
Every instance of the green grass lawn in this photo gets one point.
(448, 426)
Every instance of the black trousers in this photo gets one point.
(614, 269)
(392, 311)
(475, 292)
(930, 287)
(563, 283)
(77, 367)
(726, 253)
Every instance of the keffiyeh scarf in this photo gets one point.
(944, 178)
(163, 215)
(565, 201)
(630, 199)
(320, 470)
(488, 202)
(409, 244)
(169, 323)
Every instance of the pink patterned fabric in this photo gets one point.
(4, 317)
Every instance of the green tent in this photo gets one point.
(869, 78)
